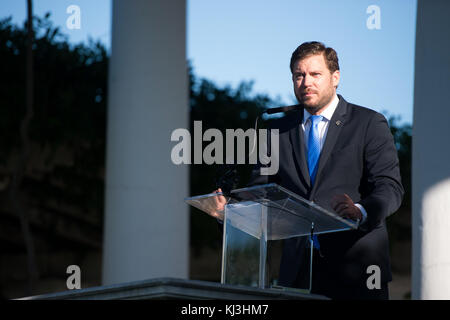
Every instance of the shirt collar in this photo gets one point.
(327, 113)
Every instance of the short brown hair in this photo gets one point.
(312, 48)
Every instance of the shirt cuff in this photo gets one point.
(363, 212)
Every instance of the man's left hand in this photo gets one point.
(343, 205)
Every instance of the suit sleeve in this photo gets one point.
(384, 192)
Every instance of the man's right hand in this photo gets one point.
(217, 206)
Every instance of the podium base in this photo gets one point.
(171, 288)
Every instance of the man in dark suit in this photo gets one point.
(354, 172)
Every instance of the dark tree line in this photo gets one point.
(52, 144)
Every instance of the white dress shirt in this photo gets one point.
(327, 113)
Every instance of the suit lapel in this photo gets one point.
(298, 144)
(334, 129)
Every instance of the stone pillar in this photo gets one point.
(431, 153)
(146, 228)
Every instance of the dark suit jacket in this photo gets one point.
(358, 158)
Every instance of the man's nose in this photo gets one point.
(307, 81)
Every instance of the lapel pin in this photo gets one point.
(338, 123)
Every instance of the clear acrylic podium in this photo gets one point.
(255, 219)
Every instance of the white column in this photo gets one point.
(146, 220)
(431, 153)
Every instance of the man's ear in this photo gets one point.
(336, 76)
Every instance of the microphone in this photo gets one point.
(228, 177)
(283, 109)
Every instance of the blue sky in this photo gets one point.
(234, 40)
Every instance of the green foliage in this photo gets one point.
(399, 224)
(403, 141)
(70, 86)
(68, 128)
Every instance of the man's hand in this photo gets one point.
(217, 207)
(343, 205)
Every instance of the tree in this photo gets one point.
(19, 170)
(52, 139)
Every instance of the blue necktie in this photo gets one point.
(313, 157)
(313, 147)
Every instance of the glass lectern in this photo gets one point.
(255, 219)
